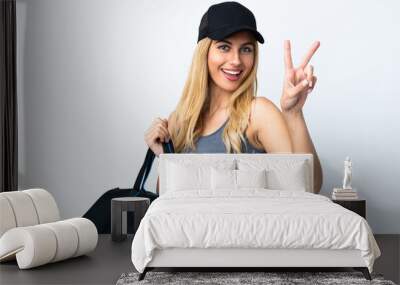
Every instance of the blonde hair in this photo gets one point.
(192, 106)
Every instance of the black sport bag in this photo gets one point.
(100, 212)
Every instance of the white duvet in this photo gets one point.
(250, 218)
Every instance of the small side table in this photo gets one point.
(358, 206)
(137, 205)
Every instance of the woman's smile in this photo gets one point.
(231, 74)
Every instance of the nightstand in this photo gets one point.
(358, 206)
(137, 205)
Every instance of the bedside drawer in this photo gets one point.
(357, 206)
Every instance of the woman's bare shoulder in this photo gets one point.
(270, 127)
(263, 101)
(264, 110)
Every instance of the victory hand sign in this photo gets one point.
(299, 81)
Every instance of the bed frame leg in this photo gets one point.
(143, 274)
(364, 271)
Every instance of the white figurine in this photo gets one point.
(347, 173)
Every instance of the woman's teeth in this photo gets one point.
(232, 74)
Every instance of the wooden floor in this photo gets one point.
(110, 260)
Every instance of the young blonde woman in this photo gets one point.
(219, 112)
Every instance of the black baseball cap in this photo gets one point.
(223, 19)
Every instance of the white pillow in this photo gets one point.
(282, 174)
(223, 179)
(251, 178)
(293, 178)
(237, 179)
(183, 175)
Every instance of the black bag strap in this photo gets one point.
(168, 147)
(140, 179)
(147, 164)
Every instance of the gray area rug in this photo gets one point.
(229, 278)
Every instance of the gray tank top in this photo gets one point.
(213, 143)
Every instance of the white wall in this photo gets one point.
(94, 74)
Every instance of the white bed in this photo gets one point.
(202, 220)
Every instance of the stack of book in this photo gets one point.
(344, 194)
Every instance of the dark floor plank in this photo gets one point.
(102, 266)
(111, 259)
(389, 262)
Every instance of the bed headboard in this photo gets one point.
(240, 161)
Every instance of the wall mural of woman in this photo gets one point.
(219, 110)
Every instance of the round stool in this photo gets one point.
(137, 205)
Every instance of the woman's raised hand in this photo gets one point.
(156, 134)
(299, 81)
